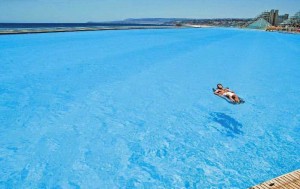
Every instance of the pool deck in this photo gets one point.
(287, 181)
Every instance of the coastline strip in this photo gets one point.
(56, 30)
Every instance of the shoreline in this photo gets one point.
(60, 30)
(79, 29)
(198, 26)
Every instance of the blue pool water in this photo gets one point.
(135, 109)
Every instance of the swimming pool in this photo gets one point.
(135, 109)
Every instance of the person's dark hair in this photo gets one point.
(219, 85)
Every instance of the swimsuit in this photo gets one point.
(228, 94)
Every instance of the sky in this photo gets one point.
(109, 10)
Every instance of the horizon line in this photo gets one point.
(18, 22)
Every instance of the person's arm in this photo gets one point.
(217, 92)
(228, 90)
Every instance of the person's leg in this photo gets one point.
(230, 98)
(236, 98)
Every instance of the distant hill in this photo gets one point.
(151, 21)
(223, 22)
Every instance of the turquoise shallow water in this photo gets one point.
(134, 109)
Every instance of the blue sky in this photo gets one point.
(107, 10)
